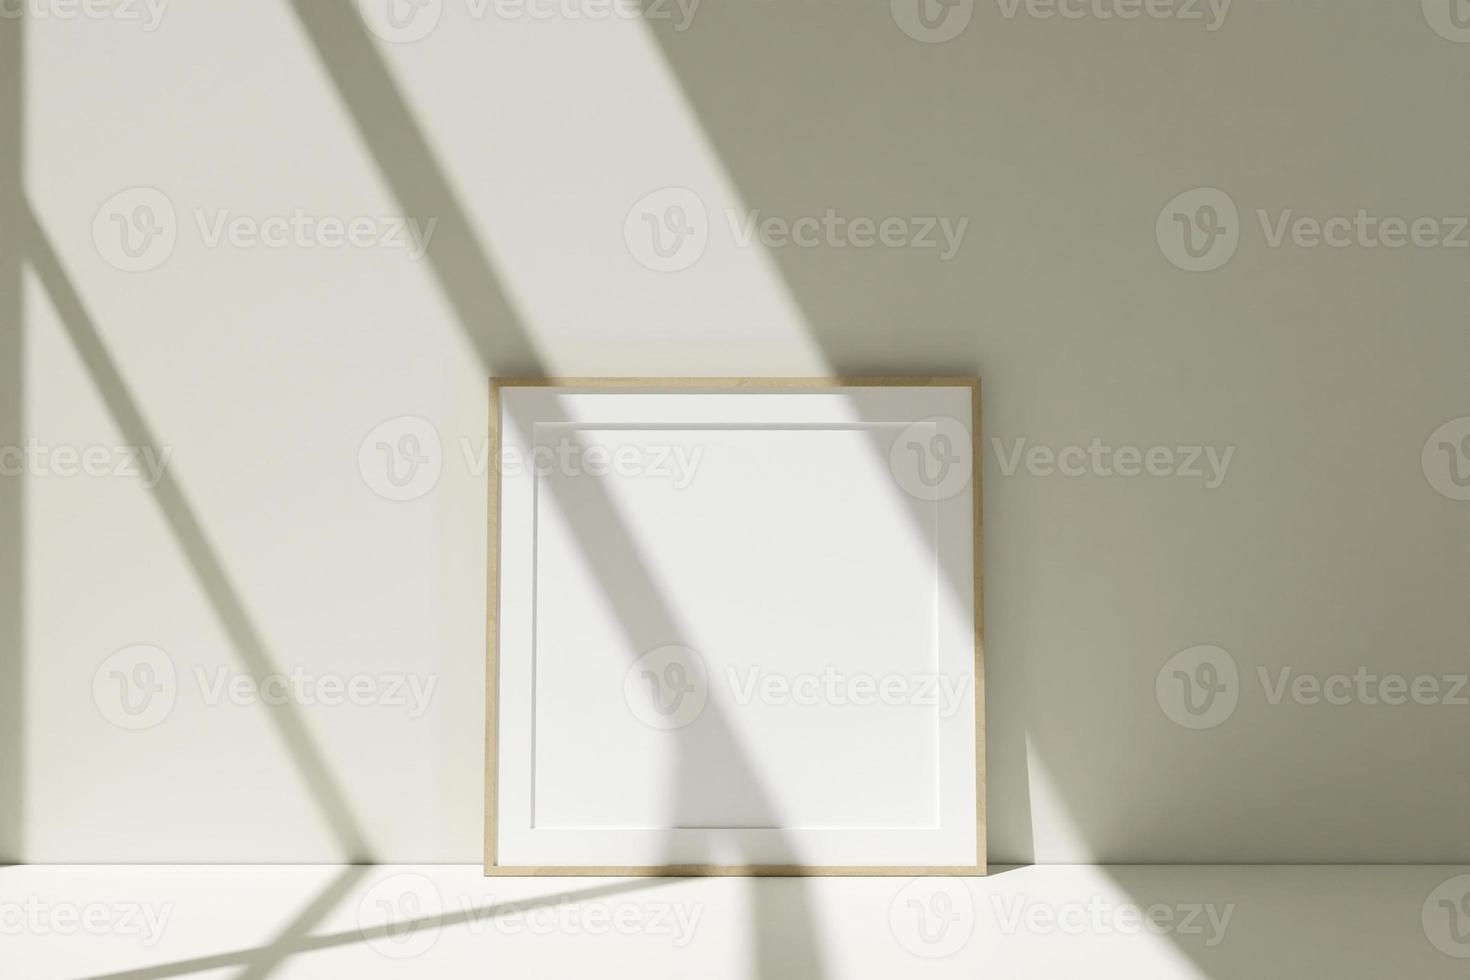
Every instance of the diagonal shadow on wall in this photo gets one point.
(786, 939)
(477, 301)
(188, 531)
(775, 158)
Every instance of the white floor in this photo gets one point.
(448, 922)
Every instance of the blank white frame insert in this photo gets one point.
(735, 627)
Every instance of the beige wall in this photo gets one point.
(1325, 548)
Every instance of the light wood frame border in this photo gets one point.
(492, 632)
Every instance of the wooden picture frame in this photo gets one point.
(573, 388)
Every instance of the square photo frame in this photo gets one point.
(735, 627)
